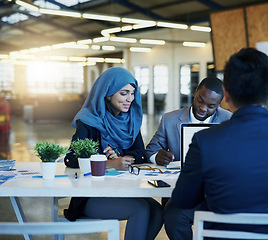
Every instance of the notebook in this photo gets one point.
(187, 132)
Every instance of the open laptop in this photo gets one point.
(187, 132)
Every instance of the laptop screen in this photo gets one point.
(187, 132)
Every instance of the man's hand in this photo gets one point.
(164, 157)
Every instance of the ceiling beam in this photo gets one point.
(136, 8)
(53, 24)
(211, 4)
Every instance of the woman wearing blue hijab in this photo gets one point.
(112, 115)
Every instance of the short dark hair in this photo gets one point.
(213, 84)
(246, 77)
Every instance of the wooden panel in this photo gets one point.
(228, 35)
(257, 22)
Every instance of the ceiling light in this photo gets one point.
(45, 48)
(60, 12)
(200, 28)
(100, 39)
(138, 49)
(78, 46)
(89, 63)
(122, 39)
(24, 56)
(58, 46)
(101, 17)
(172, 25)
(85, 41)
(95, 59)
(58, 58)
(112, 60)
(137, 21)
(3, 56)
(34, 50)
(126, 28)
(151, 41)
(75, 46)
(106, 32)
(78, 59)
(109, 48)
(95, 47)
(138, 26)
(193, 44)
(25, 51)
(69, 44)
(27, 5)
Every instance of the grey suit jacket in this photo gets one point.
(168, 132)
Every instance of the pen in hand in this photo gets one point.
(161, 145)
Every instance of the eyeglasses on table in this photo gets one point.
(135, 169)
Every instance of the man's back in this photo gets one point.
(237, 179)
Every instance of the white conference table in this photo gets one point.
(127, 185)
(110, 186)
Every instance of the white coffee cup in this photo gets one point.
(84, 165)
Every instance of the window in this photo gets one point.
(54, 78)
(142, 76)
(189, 79)
(160, 88)
(211, 71)
(6, 76)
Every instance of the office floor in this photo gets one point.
(20, 147)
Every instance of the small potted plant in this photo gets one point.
(83, 149)
(48, 153)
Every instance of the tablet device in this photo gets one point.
(187, 132)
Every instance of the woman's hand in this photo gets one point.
(121, 163)
(110, 153)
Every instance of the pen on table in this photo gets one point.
(75, 176)
(87, 174)
(39, 176)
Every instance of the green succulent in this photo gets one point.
(49, 152)
(84, 148)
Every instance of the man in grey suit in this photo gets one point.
(204, 109)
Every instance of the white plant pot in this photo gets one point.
(49, 169)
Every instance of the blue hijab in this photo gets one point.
(116, 131)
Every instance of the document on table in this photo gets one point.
(167, 174)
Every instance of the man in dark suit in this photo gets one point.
(226, 166)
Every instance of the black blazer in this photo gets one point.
(83, 131)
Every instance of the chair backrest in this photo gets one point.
(240, 218)
(60, 228)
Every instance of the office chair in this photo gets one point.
(61, 228)
(239, 218)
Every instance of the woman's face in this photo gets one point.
(122, 99)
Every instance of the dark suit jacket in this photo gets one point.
(228, 164)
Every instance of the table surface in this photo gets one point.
(128, 185)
